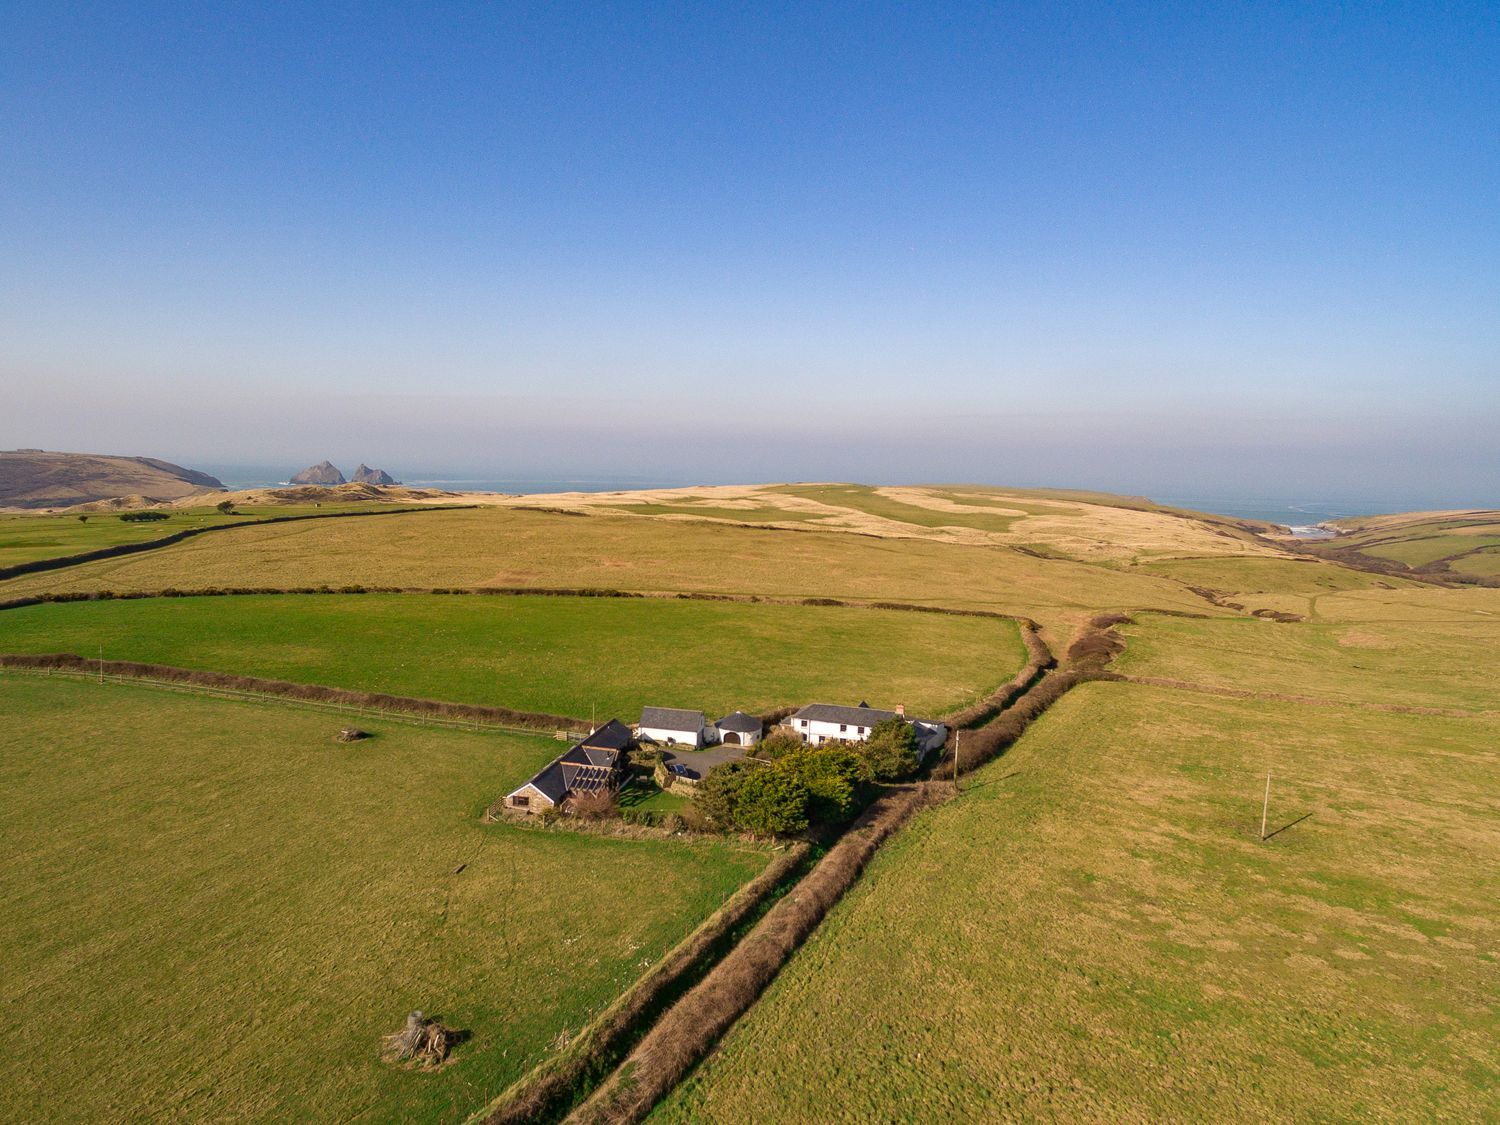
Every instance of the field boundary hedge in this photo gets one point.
(284, 689)
(690, 1028)
(552, 1085)
(61, 562)
(495, 591)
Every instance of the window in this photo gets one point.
(520, 802)
(802, 721)
(861, 732)
(843, 727)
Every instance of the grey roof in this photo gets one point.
(550, 781)
(741, 722)
(613, 735)
(671, 718)
(586, 767)
(862, 716)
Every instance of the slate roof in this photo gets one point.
(740, 723)
(672, 718)
(613, 735)
(862, 716)
(587, 767)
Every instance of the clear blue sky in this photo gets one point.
(1149, 248)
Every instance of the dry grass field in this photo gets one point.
(509, 547)
(1095, 932)
(214, 911)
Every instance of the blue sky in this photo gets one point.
(1248, 247)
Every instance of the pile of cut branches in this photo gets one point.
(422, 1042)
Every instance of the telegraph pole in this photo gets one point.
(957, 734)
(1265, 806)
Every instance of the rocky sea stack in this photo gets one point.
(366, 475)
(323, 473)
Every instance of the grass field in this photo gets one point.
(509, 547)
(213, 911)
(560, 655)
(1094, 932)
(29, 538)
(1409, 649)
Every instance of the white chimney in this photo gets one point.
(901, 710)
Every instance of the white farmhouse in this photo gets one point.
(676, 727)
(827, 722)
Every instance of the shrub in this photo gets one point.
(772, 802)
(142, 517)
(890, 753)
(777, 743)
(594, 806)
(831, 776)
(718, 797)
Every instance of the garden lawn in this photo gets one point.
(575, 656)
(1094, 931)
(214, 911)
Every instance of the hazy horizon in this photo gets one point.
(1140, 250)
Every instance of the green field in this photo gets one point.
(560, 655)
(1095, 932)
(214, 911)
(29, 538)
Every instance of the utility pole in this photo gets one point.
(101, 664)
(1265, 806)
(957, 734)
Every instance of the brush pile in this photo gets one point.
(422, 1042)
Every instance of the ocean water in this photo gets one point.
(1290, 512)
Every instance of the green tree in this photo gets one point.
(718, 796)
(225, 507)
(831, 775)
(772, 802)
(777, 743)
(890, 752)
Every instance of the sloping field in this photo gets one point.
(558, 655)
(1443, 664)
(510, 547)
(28, 538)
(213, 911)
(1095, 932)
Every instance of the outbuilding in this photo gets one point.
(740, 729)
(676, 727)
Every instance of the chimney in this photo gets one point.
(901, 710)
